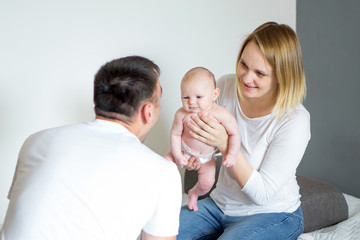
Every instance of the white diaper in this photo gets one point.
(203, 158)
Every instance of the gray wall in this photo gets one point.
(329, 35)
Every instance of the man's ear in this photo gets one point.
(215, 94)
(147, 112)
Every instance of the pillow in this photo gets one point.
(322, 204)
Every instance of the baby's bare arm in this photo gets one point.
(175, 137)
(223, 116)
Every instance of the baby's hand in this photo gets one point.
(229, 161)
(181, 161)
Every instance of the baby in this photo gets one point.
(198, 94)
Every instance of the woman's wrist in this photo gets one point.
(242, 170)
(223, 148)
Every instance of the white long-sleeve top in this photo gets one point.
(274, 148)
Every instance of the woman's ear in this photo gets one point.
(215, 94)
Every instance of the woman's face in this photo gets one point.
(255, 74)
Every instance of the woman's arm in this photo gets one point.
(286, 148)
(281, 159)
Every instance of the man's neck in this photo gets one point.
(131, 127)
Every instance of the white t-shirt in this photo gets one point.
(93, 180)
(274, 148)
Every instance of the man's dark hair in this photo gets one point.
(121, 85)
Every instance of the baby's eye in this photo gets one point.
(198, 96)
(185, 97)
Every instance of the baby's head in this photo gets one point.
(198, 90)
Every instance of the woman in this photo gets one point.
(259, 197)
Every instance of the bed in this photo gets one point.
(328, 213)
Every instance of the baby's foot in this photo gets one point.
(229, 161)
(192, 203)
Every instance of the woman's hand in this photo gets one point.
(193, 164)
(209, 132)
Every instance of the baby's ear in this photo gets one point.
(215, 94)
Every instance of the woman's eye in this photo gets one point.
(261, 74)
(243, 64)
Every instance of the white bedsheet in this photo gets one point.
(346, 230)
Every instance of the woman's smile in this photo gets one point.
(248, 87)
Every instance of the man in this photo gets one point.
(96, 180)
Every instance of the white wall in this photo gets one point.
(50, 51)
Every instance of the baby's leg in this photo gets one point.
(206, 179)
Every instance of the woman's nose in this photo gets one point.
(245, 76)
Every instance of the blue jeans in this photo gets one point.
(209, 222)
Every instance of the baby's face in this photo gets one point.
(197, 95)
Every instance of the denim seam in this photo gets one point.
(296, 214)
(298, 230)
(296, 233)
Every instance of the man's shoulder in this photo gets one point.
(51, 131)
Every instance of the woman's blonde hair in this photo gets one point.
(280, 46)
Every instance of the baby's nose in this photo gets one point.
(192, 100)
